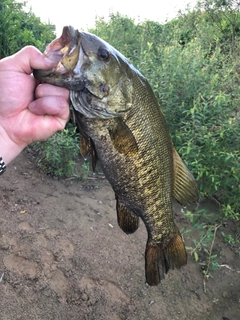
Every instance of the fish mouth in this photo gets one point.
(64, 51)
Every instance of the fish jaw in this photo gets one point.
(63, 51)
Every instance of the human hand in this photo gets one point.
(28, 112)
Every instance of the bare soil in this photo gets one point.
(63, 256)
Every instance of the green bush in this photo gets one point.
(200, 101)
(57, 156)
(20, 27)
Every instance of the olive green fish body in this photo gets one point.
(141, 173)
(122, 126)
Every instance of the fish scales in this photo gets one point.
(122, 126)
(135, 178)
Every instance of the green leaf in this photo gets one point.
(195, 256)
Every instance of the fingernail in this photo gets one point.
(50, 62)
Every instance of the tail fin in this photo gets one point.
(159, 260)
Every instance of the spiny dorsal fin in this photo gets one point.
(123, 139)
(185, 188)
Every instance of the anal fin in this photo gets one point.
(159, 260)
(126, 220)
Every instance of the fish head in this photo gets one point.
(98, 76)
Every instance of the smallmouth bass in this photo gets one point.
(122, 126)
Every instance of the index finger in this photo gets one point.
(46, 89)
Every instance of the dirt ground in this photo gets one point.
(63, 256)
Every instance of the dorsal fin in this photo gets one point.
(184, 188)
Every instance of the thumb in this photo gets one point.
(30, 58)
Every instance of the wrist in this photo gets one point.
(9, 150)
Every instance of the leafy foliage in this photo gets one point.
(57, 155)
(197, 95)
(203, 236)
(205, 231)
(223, 15)
(19, 27)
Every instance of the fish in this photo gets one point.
(122, 126)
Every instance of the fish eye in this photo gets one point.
(103, 54)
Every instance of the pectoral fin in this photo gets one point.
(93, 157)
(84, 146)
(185, 188)
(123, 139)
(87, 148)
(126, 220)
